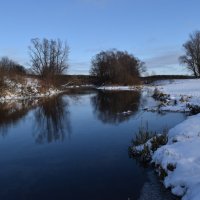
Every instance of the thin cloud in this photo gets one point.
(166, 64)
(167, 59)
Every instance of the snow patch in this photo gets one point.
(182, 151)
(129, 88)
(182, 94)
(30, 88)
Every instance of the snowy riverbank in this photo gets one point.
(24, 89)
(182, 152)
(120, 88)
(178, 161)
(182, 94)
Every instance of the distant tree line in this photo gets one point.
(8, 66)
(49, 60)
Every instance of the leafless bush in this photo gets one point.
(116, 67)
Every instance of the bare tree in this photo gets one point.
(116, 67)
(192, 54)
(48, 57)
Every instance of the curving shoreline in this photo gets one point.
(177, 161)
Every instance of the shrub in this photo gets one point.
(159, 96)
(194, 109)
(142, 136)
(116, 67)
(145, 143)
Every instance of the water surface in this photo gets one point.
(75, 146)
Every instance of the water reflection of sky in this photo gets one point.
(51, 117)
(74, 147)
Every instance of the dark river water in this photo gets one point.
(75, 147)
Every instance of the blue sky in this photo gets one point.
(152, 30)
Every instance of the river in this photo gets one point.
(75, 146)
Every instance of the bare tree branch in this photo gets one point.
(48, 57)
(192, 54)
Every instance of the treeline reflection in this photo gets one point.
(115, 107)
(50, 117)
(12, 112)
(52, 120)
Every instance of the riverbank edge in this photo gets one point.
(176, 160)
(62, 89)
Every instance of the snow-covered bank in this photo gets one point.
(182, 152)
(26, 88)
(78, 86)
(130, 88)
(182, 94)
(180, 159)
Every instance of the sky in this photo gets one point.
(152, 30)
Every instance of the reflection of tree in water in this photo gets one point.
(11, 113)
(52, 120)
(110, 106)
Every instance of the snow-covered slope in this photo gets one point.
(185, 92)
(183, 152)
(180, 157)
(189, 87)
(26, 88)
(178, 161)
